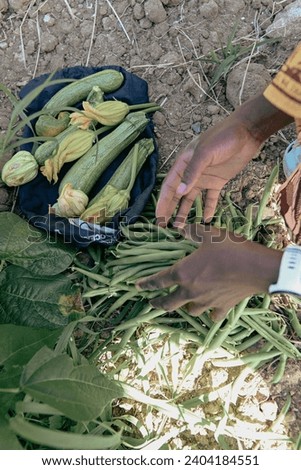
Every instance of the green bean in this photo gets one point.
(158, 257)
(233, 317)
(280, 369)
(194, 338)
(240, 335)
(248, 343)
(278, 341)
(193, 322)
(122, 300)
(95, 276)
(128, 273)
(266, 195)
(145, 316)
(294, 321)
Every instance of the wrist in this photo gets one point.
(261, 118)
(263, 266)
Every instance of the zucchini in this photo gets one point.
(48, 148)
(87, 170)
(108, 80)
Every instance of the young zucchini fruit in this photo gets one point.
(114, 197)
(107, 80)
(87, 170)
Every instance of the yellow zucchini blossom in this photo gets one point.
(20, 169)
(72, 147)
(112, 201)
(71, 202)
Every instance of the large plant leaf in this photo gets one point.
(9, 390)
(80, 392)
(39, 301)
(8, 439)
(19, 343)
(24, 245)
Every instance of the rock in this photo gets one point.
(208, 9)
(171, 2)
(234, 6)
(196, 127)
(154, 11)
(18, 5)
(256, 80)
(48, 42)
(287, 22)
(3, 6)
(138, 12)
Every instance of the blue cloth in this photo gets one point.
(35, 197)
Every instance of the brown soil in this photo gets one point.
(169, 44)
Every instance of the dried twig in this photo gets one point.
(92, 33)
(170, 155)
(21, 32)
(39, 45)
(245, 74)
(119, 20)
(70, 10)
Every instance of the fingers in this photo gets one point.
(195, 309)
(169, 302)
(219, 313)
(185, 206)
(211, 201)
(172, 189)
(161, 280)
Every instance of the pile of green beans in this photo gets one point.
(145, 249)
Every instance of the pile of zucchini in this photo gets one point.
(68, 134)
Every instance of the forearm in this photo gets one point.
(261, 118)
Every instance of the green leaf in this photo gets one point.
(38, 301)
(9, 389)
(19, 343)
(80, 392)
(8, 439)
(24, 245)
(60, 439)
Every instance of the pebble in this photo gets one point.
(138, 11)
(18, 5)
(196, 127)
(209, 9)
(49, 20)
(154, 11)
(3, 6)
(48, 42)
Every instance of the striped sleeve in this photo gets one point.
(284, 91)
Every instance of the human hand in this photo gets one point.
(207, 163)
(215, 157)
(225, 269)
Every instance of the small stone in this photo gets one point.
(138, 11)
(48, 42)
(49, 20)
(209, 9)
(196, 127)
(3, 6)
(18, 5)
(155, 11)
(213, 109)
(145, 23)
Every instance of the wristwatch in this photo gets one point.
(289, 278)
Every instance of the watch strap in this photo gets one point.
(289, 278)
